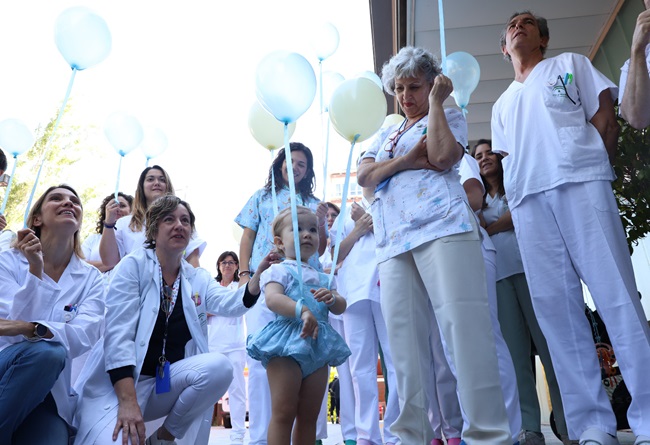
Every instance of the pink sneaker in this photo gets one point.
(453, 441)
(437, 442)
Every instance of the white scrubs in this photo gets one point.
(557, 179)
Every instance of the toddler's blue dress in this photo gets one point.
(281, 337)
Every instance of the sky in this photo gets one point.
(187, 68)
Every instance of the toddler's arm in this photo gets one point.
(279, 303)
(335, 302)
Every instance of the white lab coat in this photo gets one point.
(25, 297)
(132, 310)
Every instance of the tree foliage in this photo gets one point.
(64, 151)
(632, 186)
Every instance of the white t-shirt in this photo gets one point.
(358, 277)
(469, 169)
(414, 207)
(543, 125)
(508, 255)
(624, 71)
(90, 247)
(227, 334)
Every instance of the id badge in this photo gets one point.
(163, 383)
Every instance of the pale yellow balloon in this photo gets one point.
(266, 129)
(392, 119)
(357, 109)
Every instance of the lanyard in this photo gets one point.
(167, 302)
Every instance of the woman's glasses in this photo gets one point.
(228, 263)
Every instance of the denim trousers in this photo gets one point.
(28, 412)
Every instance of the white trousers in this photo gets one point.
(237, 394)
(573, 233)
(436, 272)
(197, 383)
(444, 408)
(506, 367)
(259, 393)
(365, 329)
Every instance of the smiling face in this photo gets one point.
(307, 235)
(228, 266)
(155, 185)
(413, 95)
(60, 209)
(174, 230)
(487, 160)
(124, 208)
(523, 34)
(299, 164)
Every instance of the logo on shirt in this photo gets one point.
(196, 298)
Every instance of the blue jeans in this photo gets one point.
(27, 374)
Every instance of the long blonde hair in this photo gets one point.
(36, 211)
(139, 209)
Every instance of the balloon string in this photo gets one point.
(47, 144)
(341, 221)
(11, 179)
(443, 44)
(464, 110)
(146, 164)
(327, 155)
(117, 184)
(274, 194)
(294, 207)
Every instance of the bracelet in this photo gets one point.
(333, 301)
(245, 272)
(108, 226)
(299, 308)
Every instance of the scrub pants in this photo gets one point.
(519, 325)
(346, 389)
(259, 393)
(444, 408)
(28, 371)
(197, 383)
(365, 329)
(436, 272)
(571, 233)
(237, 395)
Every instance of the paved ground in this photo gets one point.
(221, 436)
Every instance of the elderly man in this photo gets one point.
(634, 95)
(556, 125)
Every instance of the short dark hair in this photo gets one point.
(472, 150)
(542, 26)
(334, 207)
(158, 210)
(3, 161)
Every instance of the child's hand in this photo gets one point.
(274, 257)
(324, 296)
(309, 324)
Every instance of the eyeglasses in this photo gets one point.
(228, 263)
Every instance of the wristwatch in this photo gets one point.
(40, 330)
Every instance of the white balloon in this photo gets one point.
(331, 80)
(154, 142)
(15, 137)
(123, 131)
(325, 40)
(82, 37)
